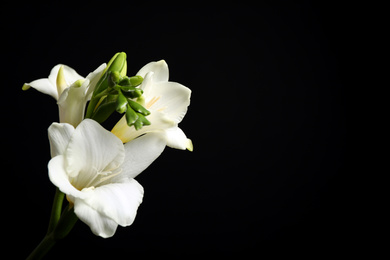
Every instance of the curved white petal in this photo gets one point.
(93, 78)
(72, 104)
(160, 69)
(173, 99)
(71, 75)
(54, 73)
(176, 138)
(106, 206)
(60, 178)
(140, 153)
(91, 150)
(44, 86)
(100, 225)
(147, 84)
(59, 136)
(48, 86)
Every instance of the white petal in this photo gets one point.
(100, 225)
(92, 149)
(93, 79)
(44, 86)
(59, 178)
(72, 104)
(70, 75)
(160, 69)
(54, 73)
(106, 206)
(59, 136)
(147, 84)
(173, 101)
(177, 139)
(140, 153)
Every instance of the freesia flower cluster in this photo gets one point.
(94, 168)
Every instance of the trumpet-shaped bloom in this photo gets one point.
(167, 101)
(71, 91)
(96, 172)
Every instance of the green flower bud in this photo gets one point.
(136, 80)
(131, 82)
(141, 100)
(131, 116)
(121, 104)
(117, 64)
(138, 108)
(141, 122)
(136, 93)
(127, 88)
(114, 78)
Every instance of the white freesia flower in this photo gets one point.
(71, 91)
(167, 101)
(96, 172)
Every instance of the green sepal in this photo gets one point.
(138, 108)
(105, 109)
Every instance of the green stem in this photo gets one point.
(41, 250)
(66, 223)
(59, 226)
(56, 210)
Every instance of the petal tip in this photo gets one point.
(26, 87)
(189, 145)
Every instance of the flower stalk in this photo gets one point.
(56, 210)
(59, 226)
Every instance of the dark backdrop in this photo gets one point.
(267, 119)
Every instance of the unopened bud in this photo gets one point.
(118, 63)
(136, 80)
(131, 116)
(141, 122)
(121, 104)
(139, 108)
(114, 78)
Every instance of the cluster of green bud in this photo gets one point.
(128, 95)
(117, 92)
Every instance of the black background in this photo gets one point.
(267, 119)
